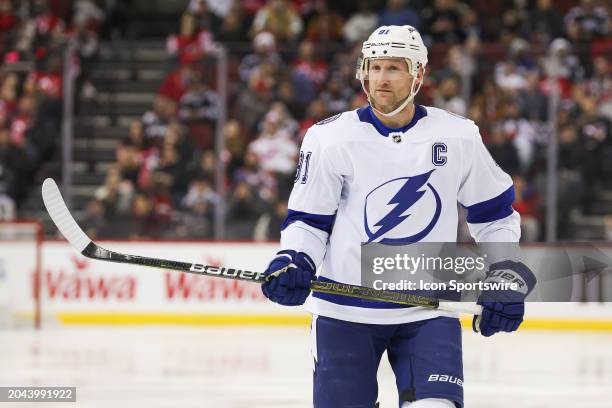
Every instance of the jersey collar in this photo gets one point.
(366, 115)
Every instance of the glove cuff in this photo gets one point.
(508, 272)
(301, 259)
(512, 272)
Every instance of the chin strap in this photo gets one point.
(403, 105)
(396, 110)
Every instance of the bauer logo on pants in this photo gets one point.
(445, 378)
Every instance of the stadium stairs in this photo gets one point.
(126, 78)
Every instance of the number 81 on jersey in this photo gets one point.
(301, 174)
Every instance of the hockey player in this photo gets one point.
(392, 172)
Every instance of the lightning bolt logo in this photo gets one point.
(406, 197)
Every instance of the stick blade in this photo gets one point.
(56, 207)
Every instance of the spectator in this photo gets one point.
(116, 194)
(286, 94)
(94, 222)
(503, 151)
(286, 123)
(135, 136)
(512, 22)
(325, 26)
(317, 111)
(261, 181)
(179, 138)
(509, 77)
(17, 162)
(200, 193)
(85, 39)
(233, 29)
(527, 204)
(144, 222)
(129, 163)
(161, 198)
(89, 14)
(204, 16)
(470, 25)
(595, 135)
(156, 121)
(48, 80)
(570, 188)
(519, 52)
(442, 22)
(22, 121)
(264, 47)
(275, 149)
(359, 26)
(521, 131)
(48, 26)
(199, 204)
(235, 145)
(7, 205)
(279, 18)
(174, 170)
(252, 7)
(336, 96)
(588, 20)
(9, 24)
(532, 102)
(544, 22)
(86, 42)
(205, 167)
(563, 63)
(397, 13)
(8, 97)
(198, 103)
(571, 151)
(253, 101)
(447, 96)
(269, 225)
(191, 43)
(599, 85)
(176, 83)
(309, 72)
(244, 210)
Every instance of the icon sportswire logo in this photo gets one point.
(402, 210)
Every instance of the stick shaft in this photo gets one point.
(59, 213)
(96, 252)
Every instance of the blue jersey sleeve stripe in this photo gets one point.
(319, 221)
(352, 301)
(491, 210)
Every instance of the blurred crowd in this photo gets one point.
(292, 64)
(33, 35)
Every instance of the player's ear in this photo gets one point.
(420, 75)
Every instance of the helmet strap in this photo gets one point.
(403, 105)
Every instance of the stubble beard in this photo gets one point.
(387, 107)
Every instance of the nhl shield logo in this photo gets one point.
(397, 137)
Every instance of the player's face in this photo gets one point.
(389, 82)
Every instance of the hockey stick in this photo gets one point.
(56, 207)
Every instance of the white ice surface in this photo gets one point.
(271, 367)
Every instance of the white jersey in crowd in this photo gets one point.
(358, 182)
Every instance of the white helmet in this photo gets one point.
(393, 42)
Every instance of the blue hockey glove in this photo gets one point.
(503, 310)
(288, 278)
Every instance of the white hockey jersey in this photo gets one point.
(358, 181)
